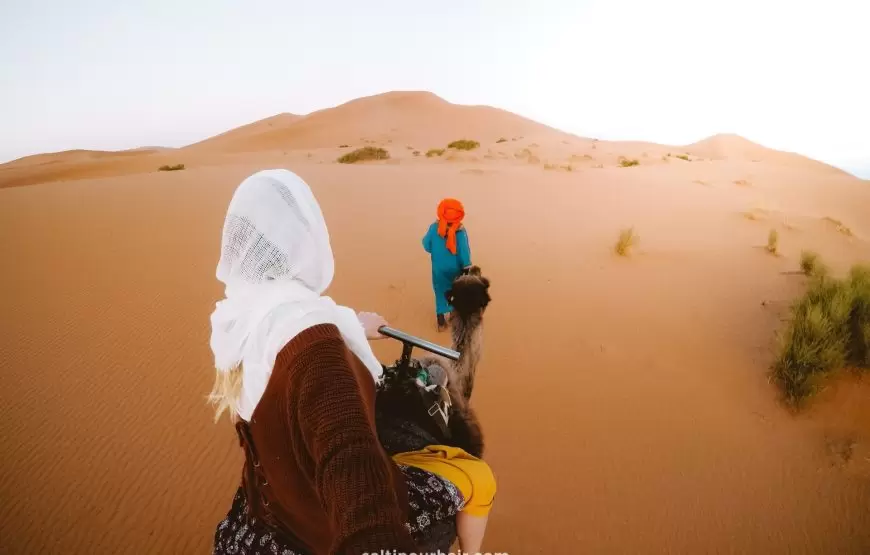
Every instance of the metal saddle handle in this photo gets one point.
(410, 341)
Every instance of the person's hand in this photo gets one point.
(371, 322)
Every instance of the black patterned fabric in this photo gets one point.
(433, 504)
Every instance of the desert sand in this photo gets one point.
(625, 400)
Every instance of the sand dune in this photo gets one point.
(625, 400)
(402, 118)
(73, 156)
(243, 134)
(402, 122)
(734, 147)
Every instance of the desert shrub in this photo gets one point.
(579, 158)
(838, 225)
(464, 144)
(564, 167)
(416, 153)
(811, 265)
(343, 146)
(363, 154)
(859, 278)
(742, 183)
(434, 152)
(626, 163)
(682, 157)
(772, 241)
(174, 168)
(501, 140)
(627, 239)
(829, 329)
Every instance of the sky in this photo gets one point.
(103, 74)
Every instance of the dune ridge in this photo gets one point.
(401, 119)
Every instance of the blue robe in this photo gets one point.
(446, 266)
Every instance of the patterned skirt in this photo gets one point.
(433, 504)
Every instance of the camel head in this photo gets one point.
(469, 294)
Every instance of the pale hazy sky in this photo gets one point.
(114, 74)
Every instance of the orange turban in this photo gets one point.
(450, 214)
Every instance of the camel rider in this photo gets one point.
(446, 241)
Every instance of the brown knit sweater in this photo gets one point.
(314, 467)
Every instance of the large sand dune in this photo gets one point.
(625, 400)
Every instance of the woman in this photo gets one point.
(297, 375)
(447, 242)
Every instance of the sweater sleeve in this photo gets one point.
(352, 472)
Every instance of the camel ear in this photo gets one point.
(485, 282)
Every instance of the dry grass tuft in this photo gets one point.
(464, 144)
(839, 226)
(627, 239)
(174, 168)
(579, 158)
(773, 241)
(364, 154)
(811, 265)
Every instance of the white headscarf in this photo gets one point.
(276, 262)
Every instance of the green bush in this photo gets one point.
(683, 157)
(434, 152)
(464, 144)
(626, 163)
(174, 168)
(363, 154)
(829, 329)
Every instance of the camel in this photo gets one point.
(404, 409)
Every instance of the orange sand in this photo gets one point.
(625, 401)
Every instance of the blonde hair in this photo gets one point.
(225, 393)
